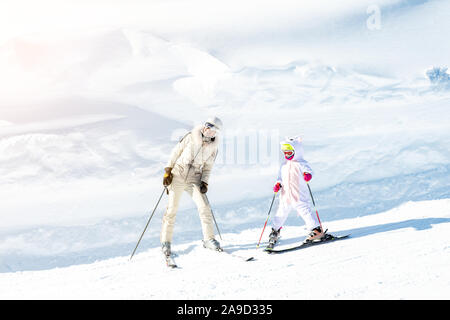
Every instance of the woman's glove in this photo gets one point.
(168, 177)
(203, 187)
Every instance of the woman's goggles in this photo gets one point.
(211, 126)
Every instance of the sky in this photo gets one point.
(23, 17)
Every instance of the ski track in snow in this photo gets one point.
(398, 254)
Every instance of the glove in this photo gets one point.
(203, 187)
(277, 187)
(168, 177)
(307, 176)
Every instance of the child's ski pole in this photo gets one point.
(268, 215)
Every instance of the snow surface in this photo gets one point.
(94, 95)
(397, 254)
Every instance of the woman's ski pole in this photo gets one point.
(215, 222)
(140, 238)
(268, 215)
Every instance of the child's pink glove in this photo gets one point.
(277, 187)
(307, 176)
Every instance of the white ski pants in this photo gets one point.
(176, 190)
(303, 209)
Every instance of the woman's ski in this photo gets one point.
(250, 258)
(170, 262)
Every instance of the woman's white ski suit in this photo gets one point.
(192, 160)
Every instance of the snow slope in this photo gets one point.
(401, 252)
(90, 109)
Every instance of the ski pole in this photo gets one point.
(215, 222)
(265, 224)
(140, 238)
(312, 198)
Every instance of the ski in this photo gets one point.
(170, 262)
(246, 259)
(303, 245)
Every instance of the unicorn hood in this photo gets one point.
(297, 145)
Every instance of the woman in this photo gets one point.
(189, 169)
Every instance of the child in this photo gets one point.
(293, 176)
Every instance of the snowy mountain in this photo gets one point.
(89, 113)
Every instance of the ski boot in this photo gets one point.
(315, 235)
(212, 244)
(168, 256)
(273, 238)
(165, 247)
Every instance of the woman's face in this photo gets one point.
(209, 130)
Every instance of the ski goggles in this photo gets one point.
(289, 153)
(211, 126)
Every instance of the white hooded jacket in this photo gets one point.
(194, 156)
